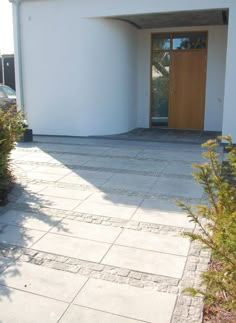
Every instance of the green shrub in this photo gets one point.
(11, 129)
(216, 224)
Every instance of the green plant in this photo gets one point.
(216, 224)
(11, 129)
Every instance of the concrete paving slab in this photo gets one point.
(115, 211)
(19, 236)
(162, 212)
(75, 194)
(87, 231)
(52, 170)
(136, 303)
(178, 168)
(21, 307)
(171, 154)
(88, 178)
(74, 160)
(72, 247)
(92, 150)
(43, 281)
(121, 152)
(135, 183)
(177, 187)
(75, 149)
(29, 220)
(37, 157)
(44, 176)
(115, 199)
(145, 261)
(50, 202)
(16, 154)
(79, 314)
(24, 168)
(34, 188)
(4, 262)
(155, 242)
(127, 164)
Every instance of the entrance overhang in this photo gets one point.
(177, 19)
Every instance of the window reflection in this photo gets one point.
(161, 42)
(189, 41)
(160, 88)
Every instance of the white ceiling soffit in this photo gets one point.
(177, 19)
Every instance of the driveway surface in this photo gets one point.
(92, 233)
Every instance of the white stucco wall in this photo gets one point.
(215, 78)
(229, 117)
(102, 8)
(216, 60)
(79, 74)
(87, 76)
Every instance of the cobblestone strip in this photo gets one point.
(142, 158)
(98, 219)
(102, 169)
(190, 309)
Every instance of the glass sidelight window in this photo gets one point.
(160, 88)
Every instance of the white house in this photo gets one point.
(97, 67)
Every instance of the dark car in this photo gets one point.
(7, 96)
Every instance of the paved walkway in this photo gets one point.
(92, 233)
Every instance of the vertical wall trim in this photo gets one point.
(18, 52)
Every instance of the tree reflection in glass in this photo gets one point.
(160, 88)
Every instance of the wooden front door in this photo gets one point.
(187, 89)
(178, 80)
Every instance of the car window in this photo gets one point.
(2, 93)
(7, 89)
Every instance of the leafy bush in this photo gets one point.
(216, 224)
(11, 129)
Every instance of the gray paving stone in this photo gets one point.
(145, 261)
(115, 152)
(72, 247)
(179, 168)
(162, 212)
(127, 301)
(50, 202)
(177, 187)
(116, 199)
(22, 307)
(72, 159)
(28, 220)
(116, 211)
(43, 281)
(87, 231)
(19, 236)
(87, 177)
(36, 157)
(155, 242)
(75, 194)
(44, 176)
(53, 170)
(79, 314)
(4, 262)
(131, 182)
(34, 188)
